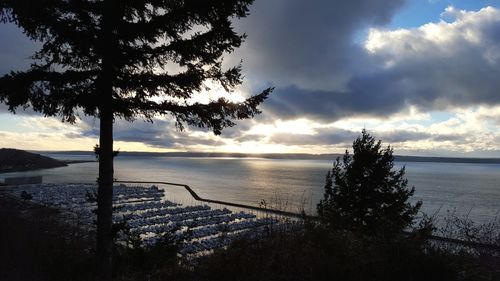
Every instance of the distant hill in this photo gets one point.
(305, 156)
(447, 159)
(297, 156)
(14, 160)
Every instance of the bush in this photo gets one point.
(363, 193)
(316, 254)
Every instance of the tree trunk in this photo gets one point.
(105, 181)
(105, 196)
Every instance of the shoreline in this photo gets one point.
(283, 156)
(15, 160)
(65, 163)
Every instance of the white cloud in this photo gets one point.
(468, 32)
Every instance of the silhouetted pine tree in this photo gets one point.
(109, 58)
(364, 194)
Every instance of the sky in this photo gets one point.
(421, 75)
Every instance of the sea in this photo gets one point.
(446, 189)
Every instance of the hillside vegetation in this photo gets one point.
(14, 160)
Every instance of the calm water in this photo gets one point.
(472, 189)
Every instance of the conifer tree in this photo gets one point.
(364, 194)
(126, 59)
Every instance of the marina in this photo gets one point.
(196, 229)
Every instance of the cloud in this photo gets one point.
(308, 44)
(43, 141)
(291, 43)
(331, 82)
(162, 133)
(330, 136)
(455, 62)
(340, 137)
(437, 66)
(15, 50)
(307, 50)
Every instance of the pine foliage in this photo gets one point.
(364, 194)
(162, 52)
(127, 59)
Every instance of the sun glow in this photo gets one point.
(298, 127)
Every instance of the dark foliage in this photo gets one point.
(139, 40)
(26, 196)
(36, 246)
(363, 193)
(321, 254)
(13, 160)
(136, 261)
(127, 59)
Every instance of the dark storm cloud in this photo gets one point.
(336, 136)
(309, 43)
(306, 50)
(161, 133)
(433, 82)
(3, 108)
(20, 111)
(156, 134)
(401, 136)
(332, 136)
(15, 54)
(15, 49)
(365, 98)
